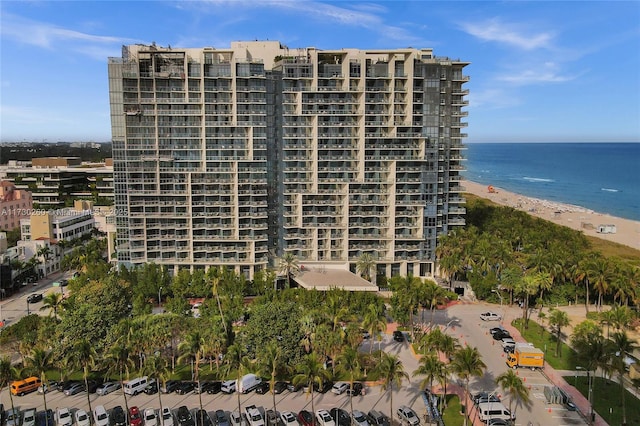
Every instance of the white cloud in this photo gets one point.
(493, 98)
(543, 73)
(52, 37)
(510, 34)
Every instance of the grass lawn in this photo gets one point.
(451, 415)
(607, 397)
(542, 339)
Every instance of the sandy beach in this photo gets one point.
(627, 231)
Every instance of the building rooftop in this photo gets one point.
(324, 279)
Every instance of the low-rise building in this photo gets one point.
(15, 204)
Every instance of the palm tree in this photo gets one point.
(119, 360)
(8, 373)
(44, 252)
(392, 373)
(311, 372)
(467, 362)
(39, 362)
(375, 322)
(215, 276)
(349, 363)
(158, 367)
(599, 274)
(192, 350)
(289, 266)
(431, 367)
(365, 265)
(52, 301)
(84, 356)
(270, 364)
(623, 345)
(510, 382)
(235, 360)
(558, 319)
(442, 377)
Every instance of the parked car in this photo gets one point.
(63, 417)
(497, 422)
(263, 387)
(220, 418)
(293, 388)
(152, 388)
(376, 418)
(324, 418)
(237, 419)
(45, 418)
(340, 387)
(485, 397)
(271, 418)
(356, 390)
(203, 387)
(508, 342)
(13, 417)
(75, 389)
(170, 386)
(100, 416)
(228, 386)
(29, 417)
(497, 329)
(398, 336)
(166, 416)
(499, 335)
(289, 419)
(46, 387)
(65, 384)
(214, 387)
(34, 298)
(93, 385)
(340, 416)
(107, 387)
(149, 417)
(326, 387)
(117, 417)
(408, 416)
(306, 418)
(359, 419)
(202, 418)
(81, 418)
(135, 417)
(184, 417)
(490, 316)
(185, 387)
(279, 387)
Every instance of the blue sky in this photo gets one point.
(540, 71)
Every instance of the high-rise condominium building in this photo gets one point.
(238, 155)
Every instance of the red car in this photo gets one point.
(306, 418)
(135, 418)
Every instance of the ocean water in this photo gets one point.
(603, 177)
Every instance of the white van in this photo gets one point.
(247, 383)
(136, 386)
(494, 410)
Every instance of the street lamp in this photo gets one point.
(501, 308)
(591, 416)
(449, 323)
(159, 296)
(28, 313)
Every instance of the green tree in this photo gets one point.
(558, 319)
(39, 362)
(365, 265)
(599, 273)
(349, 363)
(119, 361)
(311, 372)
(430, 366)
(467, 362)
(156, 366)
(623, 345)
(392, 373)
(270, 363)
(84, 356)
(52, 301)
(288, 266)
(510, 382)
(214, 276)
(8, 373)
(375, 322)
(192, 350)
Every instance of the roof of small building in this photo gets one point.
(324, 279)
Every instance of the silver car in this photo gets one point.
(408, 416)
(359, 419)
(107, 388)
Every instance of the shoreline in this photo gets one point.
(627, 231)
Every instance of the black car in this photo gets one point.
(66, 384)
(356, 390)
(293, 388)
(398, 336)
(213, 387)
(185, 387)
(45, 418)
(263, 387)
(202, 418)
(171, 386)
(340, 416)
(184, 417)
(117, 417)
(93, 385)
(326, 387)
(152, 388)
(501, 334)
(279, 387)
(34, 298)
(485, 397)
(220, 418)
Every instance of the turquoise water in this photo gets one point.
(604, 177)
